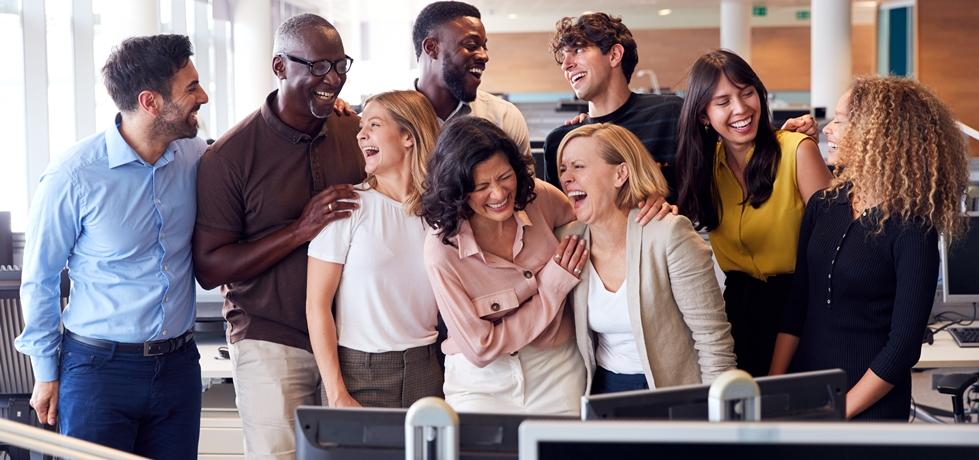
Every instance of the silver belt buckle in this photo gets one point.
(148, 349)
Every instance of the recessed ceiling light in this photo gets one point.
(665, 11)
(512, 16)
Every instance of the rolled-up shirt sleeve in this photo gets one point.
(54, 226)
(482, 340)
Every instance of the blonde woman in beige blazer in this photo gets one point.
(648, 305)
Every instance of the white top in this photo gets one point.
(384, 301)
(608, 316)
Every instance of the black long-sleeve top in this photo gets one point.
(862, 301)
(653, 118)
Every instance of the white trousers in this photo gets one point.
(533, 381)
(271, 380)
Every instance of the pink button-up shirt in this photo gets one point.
(493, 306)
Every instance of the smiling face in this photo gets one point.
(462, 45)
(590, 182)
(734, 112)
(178, 115)
(306, 95)
(494, 189)
(385, 145)
(836, 128)
(586, 69)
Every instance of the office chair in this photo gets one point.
(962, 388)
(16, 376)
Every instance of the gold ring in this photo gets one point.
(577, 271)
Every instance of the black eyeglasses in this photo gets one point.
(321, 68)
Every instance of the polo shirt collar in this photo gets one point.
(290, 134)
(466, 240)
(119, 152)
(461, 109)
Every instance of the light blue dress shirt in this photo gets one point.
(123, 227)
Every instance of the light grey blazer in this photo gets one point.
(675, 304)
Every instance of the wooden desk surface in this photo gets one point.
(946, 353)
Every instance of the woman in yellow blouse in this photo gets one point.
(748, 185)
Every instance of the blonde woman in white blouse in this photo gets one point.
(648, 312)
(378, 347)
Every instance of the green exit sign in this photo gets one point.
(759, 10)
(802, 15)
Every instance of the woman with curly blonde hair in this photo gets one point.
(867, 264)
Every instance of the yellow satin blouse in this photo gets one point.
(759, 241)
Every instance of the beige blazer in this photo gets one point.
(675, 304)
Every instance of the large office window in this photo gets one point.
(61, 75)
(13, 166)
(103, 41)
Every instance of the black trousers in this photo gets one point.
(754, 309)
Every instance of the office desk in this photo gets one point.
(213, 367)
(221, 436)
(946, 353)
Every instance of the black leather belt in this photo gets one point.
(154, 348)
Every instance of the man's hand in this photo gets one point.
(324, 208)
(805, 124)
(576, 120)
(44, 400)
(342, 108)
(654, 208)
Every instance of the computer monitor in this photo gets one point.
(629, 440)
(818, 395)
(960, 265)
(780, 115)
(370, 433)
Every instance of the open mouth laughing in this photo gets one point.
(577, 197)
(741, 126)
(499, 206)
(369, 150)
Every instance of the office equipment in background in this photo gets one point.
(960, 266)
(371, 433)
(818, 395)
(209, 318)
(965, 336)
(629, 440)
(16, 376)
(779, 115)
(6, 240)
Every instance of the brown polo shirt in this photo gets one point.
(256, 180)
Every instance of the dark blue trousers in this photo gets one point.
(149, 406)
(606, 381)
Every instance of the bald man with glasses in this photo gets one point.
(265, 189)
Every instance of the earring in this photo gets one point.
(707, 127)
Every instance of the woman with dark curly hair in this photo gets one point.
(500, 276)
(868, 249)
